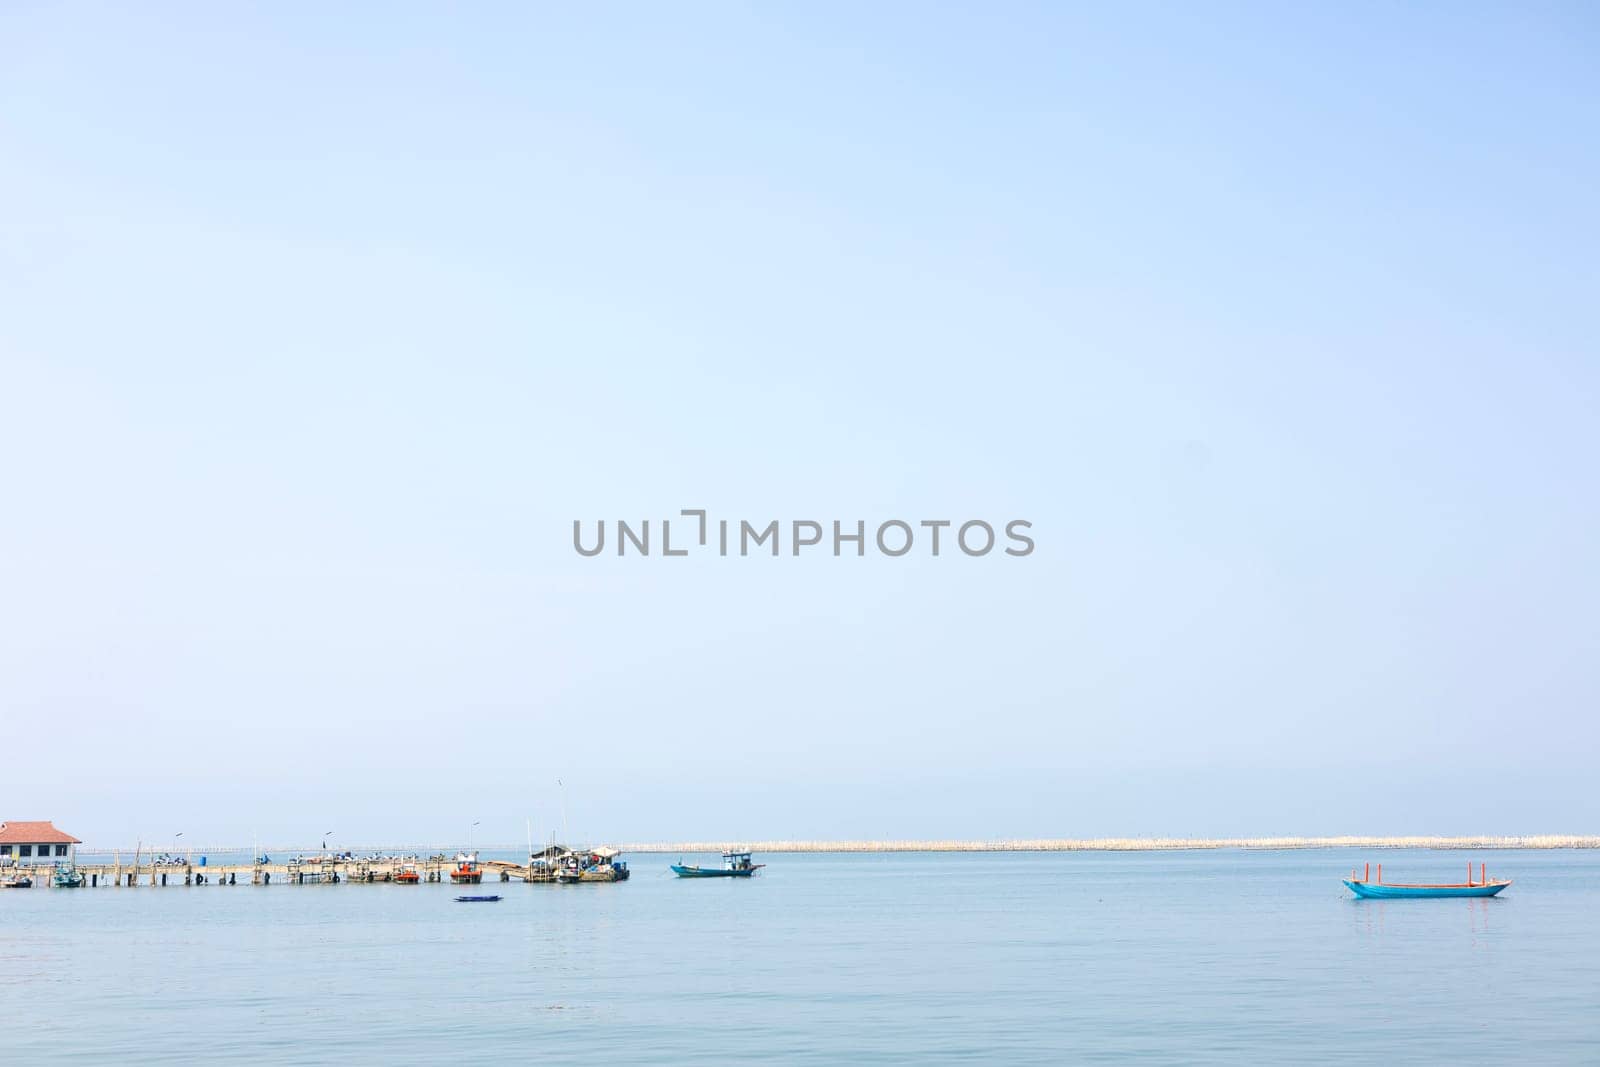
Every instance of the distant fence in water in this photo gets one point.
(1130, 844)
(1064, 844)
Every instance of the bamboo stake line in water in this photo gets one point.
(1087, 844)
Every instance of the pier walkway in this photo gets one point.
(100, 875)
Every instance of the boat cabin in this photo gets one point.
(589, 859)
(736, 861)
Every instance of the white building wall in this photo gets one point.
(39, 854)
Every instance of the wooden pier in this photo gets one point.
(321, 872)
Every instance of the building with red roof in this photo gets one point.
(36, 842)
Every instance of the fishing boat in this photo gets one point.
(492, 899)
(1366, 886)
(735, 864)
(407, 874)
(467, 871)
(66, 878)
(572, 866)
(16, 881)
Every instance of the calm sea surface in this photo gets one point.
(1191, 956)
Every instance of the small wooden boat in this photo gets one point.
(1482, 886)
(478, 900)
(734, 865)
(16, 881)
(467, 871)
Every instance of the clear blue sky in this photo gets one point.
(317, 329)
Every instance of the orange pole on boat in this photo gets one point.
(1483, 874)
(1366, 875)
(1380, 874)
(1469, 872)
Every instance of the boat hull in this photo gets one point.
(1379, 891)
(709, 872)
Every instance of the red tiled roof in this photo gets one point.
(34, 833)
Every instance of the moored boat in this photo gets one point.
(66, 878)
(1365, 886)
(467, 871)
(572, 866)
(16, 881)
(406, 874)
(735, 864)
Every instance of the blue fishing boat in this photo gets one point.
(66, 878)
(477, 900)
(1366, 887)
(734, 865)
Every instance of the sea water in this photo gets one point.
(1239, 956)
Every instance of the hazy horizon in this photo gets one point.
(319, 328)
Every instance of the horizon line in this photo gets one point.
(1088, 844)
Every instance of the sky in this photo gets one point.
(319, 328)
